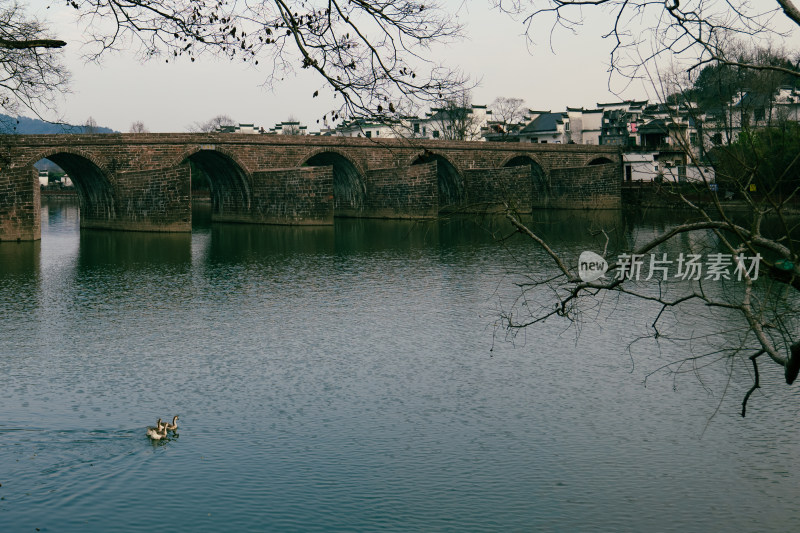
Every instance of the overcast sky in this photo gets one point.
(170, 97)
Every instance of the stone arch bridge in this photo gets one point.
(142, 182)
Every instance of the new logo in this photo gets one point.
(591, 266)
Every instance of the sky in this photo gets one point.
(562, 69)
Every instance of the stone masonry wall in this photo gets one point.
(593, 187)
(490, 188)
(20, 216)
(402, 192)
(301, 196)
(148, 200)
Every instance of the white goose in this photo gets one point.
(159, 426)
(159, 434)
(174, 425)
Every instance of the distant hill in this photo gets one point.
(25, 125)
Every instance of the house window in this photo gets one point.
(566, 126)
(424, 130)
(416, 127)
(628, 173)
(716, 138)
(759, 114)
(377, 133)
(435, 134)
(368, 134)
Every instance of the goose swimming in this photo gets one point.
(174, 425)
(159, 425)
(154, 434)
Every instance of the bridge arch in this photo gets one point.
(539, 179)
(221, 149)
(523, 160)
(229, 180)
(92, 178)
(349, 189)
(599, 161)
(450, 183)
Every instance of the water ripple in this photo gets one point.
(342, 380)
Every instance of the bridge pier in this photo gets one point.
(490, 189)
(401, 192)
(593, 187)
(20, 215)
(156, 200)
(292, 196)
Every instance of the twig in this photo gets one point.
(756, 384)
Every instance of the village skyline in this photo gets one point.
(560, 70)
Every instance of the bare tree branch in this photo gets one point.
(371, 54)
(34, 43)
(697, 31)
(31, 74)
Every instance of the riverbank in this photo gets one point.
(61, 192)
(647, 195)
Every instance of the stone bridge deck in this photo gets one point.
(142, 182)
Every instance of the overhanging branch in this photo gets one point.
(34, 43)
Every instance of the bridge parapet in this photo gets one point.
(142, 182)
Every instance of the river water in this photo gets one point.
(350, 378)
